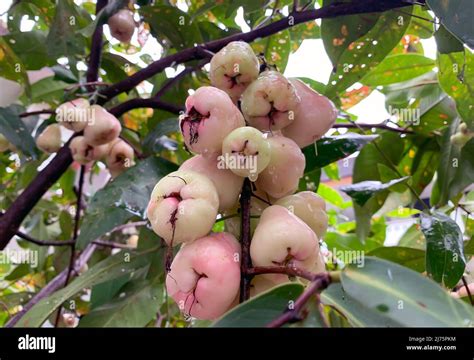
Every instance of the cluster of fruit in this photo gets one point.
(249, 124)
(99, 140)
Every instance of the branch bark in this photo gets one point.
(245, 260)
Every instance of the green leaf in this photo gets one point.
(122, 199)
(397, 68)
(172, 24)
(456, 16)
(275, 48)
(404, 296)
(338, 33)
(420, 103)
(358, 314)
(365, 53)
(456, 77)
(48, 90)
(108, 269)
(64, 38)
(413, 238)
(366, 168)
(156, 140)
(333, 148)
(446, 42)
(445, 260)
(420, 24)
(300, 32)
(411, 258)
(332, 196)
(30, 47)
(11, 67)
(136, 306)
(262, 309)
(456, 167)
(347, 247)
(14, 129)
(361, 192)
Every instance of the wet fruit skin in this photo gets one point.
(83, 153)
(228, 185)
(269, 103)
(210, 117)
(103, 128)
(50, 139)
(74, 115)
(122, 25)
(183, 207)
(314, 116)
(250, 150)
(286, 167)
(309, 207)
(281, 238)
(233, 68)
(205, 276)
(119, 158)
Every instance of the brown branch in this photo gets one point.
(245, 238)
(43, 242)
(38, 112)
(320, 282)
(153, 103)
(96, 50)
(464, 282)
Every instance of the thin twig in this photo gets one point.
(320, 282)
(464, 282)
(371, 126)
(43, 242)
(245, 238)
(77, 219)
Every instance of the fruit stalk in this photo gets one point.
(245, 238)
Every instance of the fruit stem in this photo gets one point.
(246, 261)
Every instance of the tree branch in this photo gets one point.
(122, 108)
(320, 282)
(245, 261)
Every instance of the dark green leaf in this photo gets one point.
(156, 139)
(411, 258)
(446, 42)
(456, 16)
(397, 68)
(30, 47)
(16, 132)
(262, 309)
(172, 24)
(445, 260)
(365, 53)
(361, 192)
(356, 313)
(11, 66)
(136, 305)
(338, 33)
(404, 296)
(108, 269)
(333, 148)
(64, 38)
(120, 200)
(456, 77)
